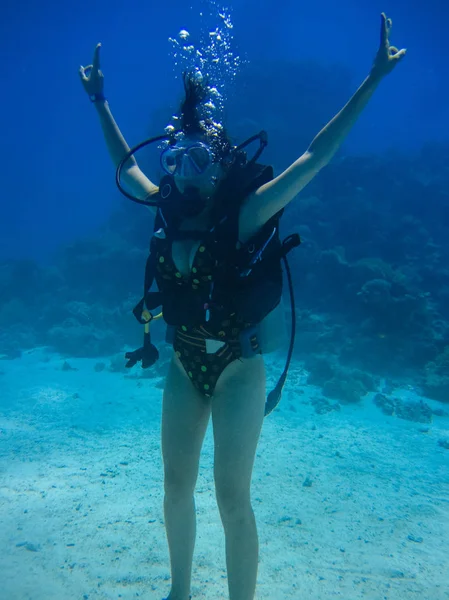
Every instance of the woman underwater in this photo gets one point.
(209, 374)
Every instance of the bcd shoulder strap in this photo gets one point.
(238, 185)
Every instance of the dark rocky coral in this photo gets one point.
(74, 339)
(320, 369)
(419, 412)
(323, 406)
(346, 390)
(348, 386)
(436, 378)
(386, 404)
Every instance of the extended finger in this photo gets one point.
(96, 59)
(383, 29)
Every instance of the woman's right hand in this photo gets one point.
(92, 78)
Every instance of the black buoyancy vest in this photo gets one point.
(248, 277)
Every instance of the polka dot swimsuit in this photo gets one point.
(203, 367)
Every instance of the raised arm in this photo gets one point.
(93, 82)
(273, 196)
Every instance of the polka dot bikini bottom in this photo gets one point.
(203, 368)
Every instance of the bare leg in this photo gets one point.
(237, 414)
(185, 415)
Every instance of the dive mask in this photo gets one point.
(187, 160)
(198, 158)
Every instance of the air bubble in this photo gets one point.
(209, 57)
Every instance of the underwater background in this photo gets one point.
(351, 484)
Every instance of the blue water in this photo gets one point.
(364, 415)
(58, 183)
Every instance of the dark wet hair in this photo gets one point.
(195, 93)
(194, 123)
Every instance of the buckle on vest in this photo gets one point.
(249, 342)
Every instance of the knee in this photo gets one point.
(233, 503)
(179, 482)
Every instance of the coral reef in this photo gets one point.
(419, 412)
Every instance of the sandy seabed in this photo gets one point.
(350, 504)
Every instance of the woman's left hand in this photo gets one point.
(387, 56)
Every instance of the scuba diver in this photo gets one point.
(215, 257)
